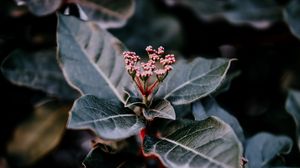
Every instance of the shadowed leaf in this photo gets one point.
(158, 29)
(258, 13)
(262, 148)
(37, 70)
(41, 7)
(98, 157)
(292, 106)
(107, 13)
(291, 16)
(39, 134)
(209, 107)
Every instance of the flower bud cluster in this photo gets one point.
(157, 66)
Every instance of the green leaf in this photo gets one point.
(292, 106)
(208, 143)
(133, 98)
(158, 108)
(161, 109)
(97, 157)
(39, 134)
(41, 7)
(190, 81)
(91, 58)
(111, 13)
(262, 148)
(209, 107)
(109, 119)
(291, 15)
(37, 70)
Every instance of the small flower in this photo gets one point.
(161, 50)
(160, 72)
(168, 60)
(168, 68)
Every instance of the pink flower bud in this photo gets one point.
(160, 50)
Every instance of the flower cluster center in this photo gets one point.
(148, 75)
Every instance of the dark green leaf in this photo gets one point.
(37, 70)
(91, 58)
(109, 119)
(258, 13)
(158, 29)
(39, 134)
(208, 143)
(97, 157)
(108, 13)
(293, 107)
(291, 15)
(262, 148)
(133, 98)
(41, 7)
(161, 109)
(190, 81)
(209, 107)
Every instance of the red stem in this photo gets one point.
(152, 86)
(138, 83)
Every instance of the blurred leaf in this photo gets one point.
(263, 148)
(190, 81)
(209, 107)
(206, 143)
(161, 109)
(292, 106)
(150, 26)
(37, 70)
(254, 12)
(41, 7)
(38, 135)
(291, 15)
(109, 119)
(97, 157)
(91, 59)
(107, 13)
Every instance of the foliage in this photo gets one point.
(173, 107)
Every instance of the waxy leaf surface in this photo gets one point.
(208, 144)
(91, 58)
(190, 81)
(109, 119)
